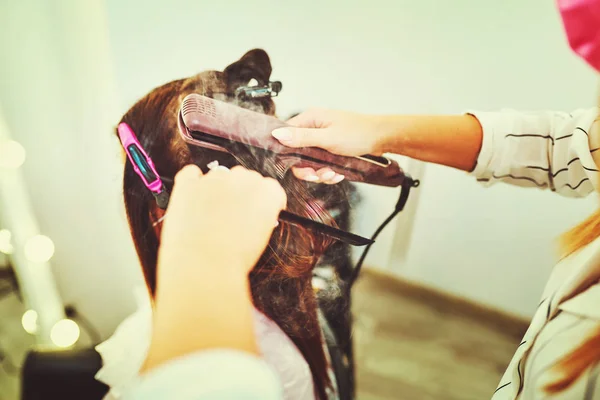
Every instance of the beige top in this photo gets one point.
(555, 151)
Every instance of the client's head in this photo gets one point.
(281, 280)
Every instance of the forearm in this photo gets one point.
(191, 318)
(454, 141)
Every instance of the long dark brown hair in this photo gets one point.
(281, 280)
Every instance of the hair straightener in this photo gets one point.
(222, 126)
(217, 125)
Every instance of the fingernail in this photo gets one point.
(276, 224)
(282, 134)
(327, 175)
(338, 179)
(311, 178)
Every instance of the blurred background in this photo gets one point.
(460, 261)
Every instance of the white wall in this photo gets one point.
(379, 56)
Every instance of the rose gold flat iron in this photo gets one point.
(216, 125)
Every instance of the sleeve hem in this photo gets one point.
(486, 120)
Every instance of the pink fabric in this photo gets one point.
(581, 20)
(283, 355)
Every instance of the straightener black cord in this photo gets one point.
(405, 190)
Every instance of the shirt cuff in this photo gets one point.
(488, 121)
(210, 374)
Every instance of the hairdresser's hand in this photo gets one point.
(340, 132)
(225, 217)
(216, 228)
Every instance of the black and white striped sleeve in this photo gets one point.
(549, 150)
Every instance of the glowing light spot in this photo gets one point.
(65, 333)
(39, 248)
(12, 154)
(29, 321)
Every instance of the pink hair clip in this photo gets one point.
(142, 164)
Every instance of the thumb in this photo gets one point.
(301, 137)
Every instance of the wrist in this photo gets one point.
(195, 317)
(179, 258)
(177, 291)
(390, 133)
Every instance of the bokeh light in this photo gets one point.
(65, 333)
(39, 248)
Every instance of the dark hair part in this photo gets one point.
(281, 280)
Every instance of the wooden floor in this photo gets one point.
(416, 344)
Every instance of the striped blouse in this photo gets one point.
(555, 151)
